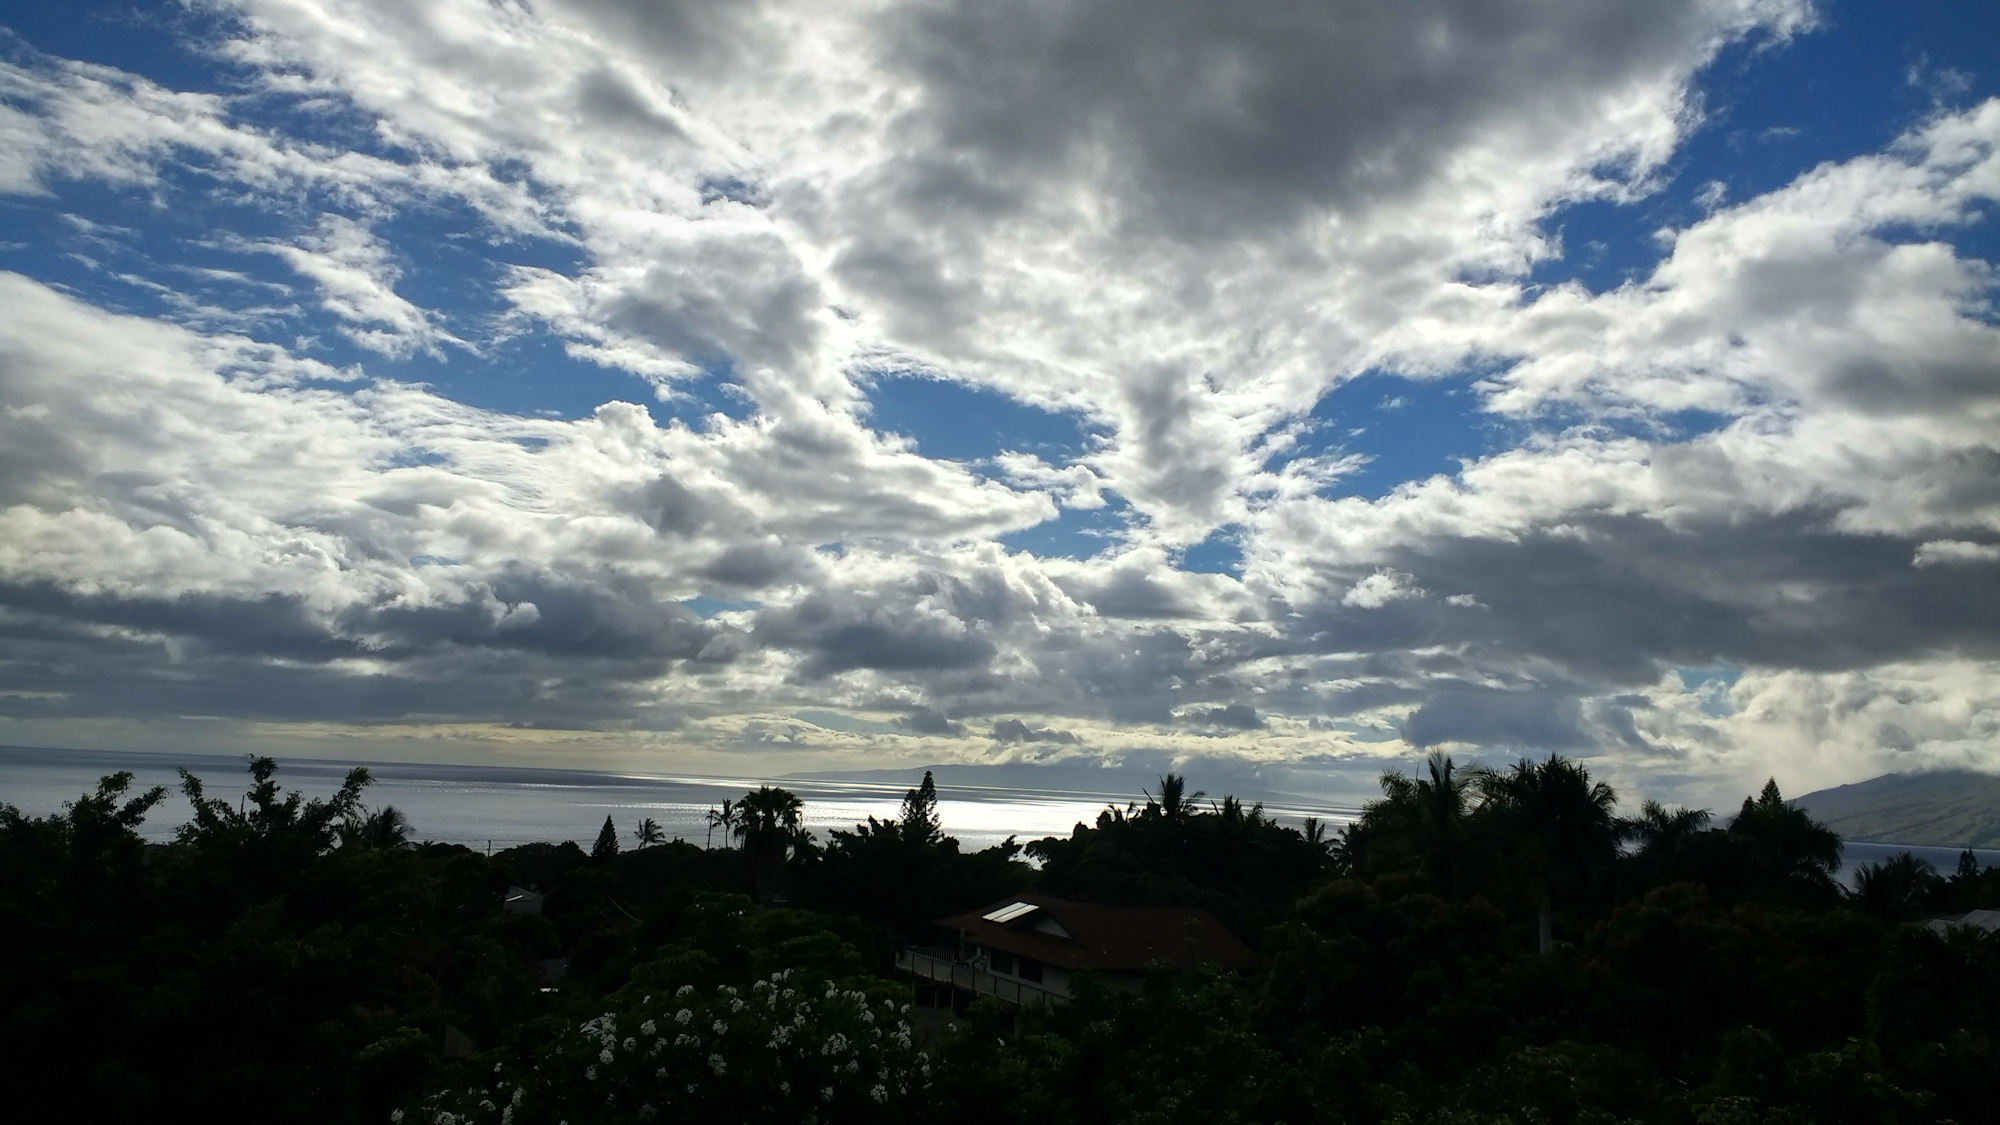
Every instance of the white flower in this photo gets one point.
(880, 1094)
(716, 1064)
(590, 1072)
(682, 1016)
(649, 1028)
(683, 990)
(661, 1074)
(721, 1028)
(396, 1117)
(826, 1094)
(736, 1005)
(507, 1116)
(604, 1056)
(784, 1087)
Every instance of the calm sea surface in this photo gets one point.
(475, 805)
(503, 806)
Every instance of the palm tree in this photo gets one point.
(1421, 823)
(1174, 801)
(1666, 839)
(1663, 831)
(1315, 833)
(1799, 849)
(1899, 888)
(386, 827)
(1562, 826)
(649, 833)
(769, 825)
(723, 818)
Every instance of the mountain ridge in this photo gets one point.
(1942, 808)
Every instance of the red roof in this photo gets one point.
(1105, 937)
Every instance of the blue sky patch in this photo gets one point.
(1409, 429)
(960, 422)
(1075, 533)
(1220, 553)
(1850, 86)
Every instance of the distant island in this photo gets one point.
(1944, 809)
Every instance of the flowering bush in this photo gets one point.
(784, 1050)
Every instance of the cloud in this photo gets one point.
(924, 720)
(1181, 226)
(356, 277)
(1950, 552)
(1017, 730)
(1379, 589)
(1233, 716)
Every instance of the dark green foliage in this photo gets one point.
(1900, 888)
(606, 848)
(903, 873)
(1233, 860)
(299, 960)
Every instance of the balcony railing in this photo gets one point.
(938, 965)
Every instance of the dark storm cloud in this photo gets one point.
(1523, 720)
(1233, 716)
(1620, 595)
(1209, 119)
(1015, 730)
(925, 720)
(750, 566)
(835, 638)
(58, 667)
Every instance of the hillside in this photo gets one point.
(1948, 809)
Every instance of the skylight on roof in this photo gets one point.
(1009, 913)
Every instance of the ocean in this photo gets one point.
(495, 807)
(500, 806)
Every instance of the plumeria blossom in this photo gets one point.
(805, 1054)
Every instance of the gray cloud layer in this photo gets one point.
(1187, 227)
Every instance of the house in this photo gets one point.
(1987, 920)
(1026, 949)
(520, 900)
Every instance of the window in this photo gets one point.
(1031, 970)
(1001, 962)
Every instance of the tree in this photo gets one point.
(259, 845)
(1900, 888)
(1561, 829)
(1422, 824)
(1790, 845)
(1174, 801)
(386, 827)
(649, 833)
(770, 828)
(919, 822)
(606, 848)
(269, 815)
(723, 818)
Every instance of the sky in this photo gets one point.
(1284, 390)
